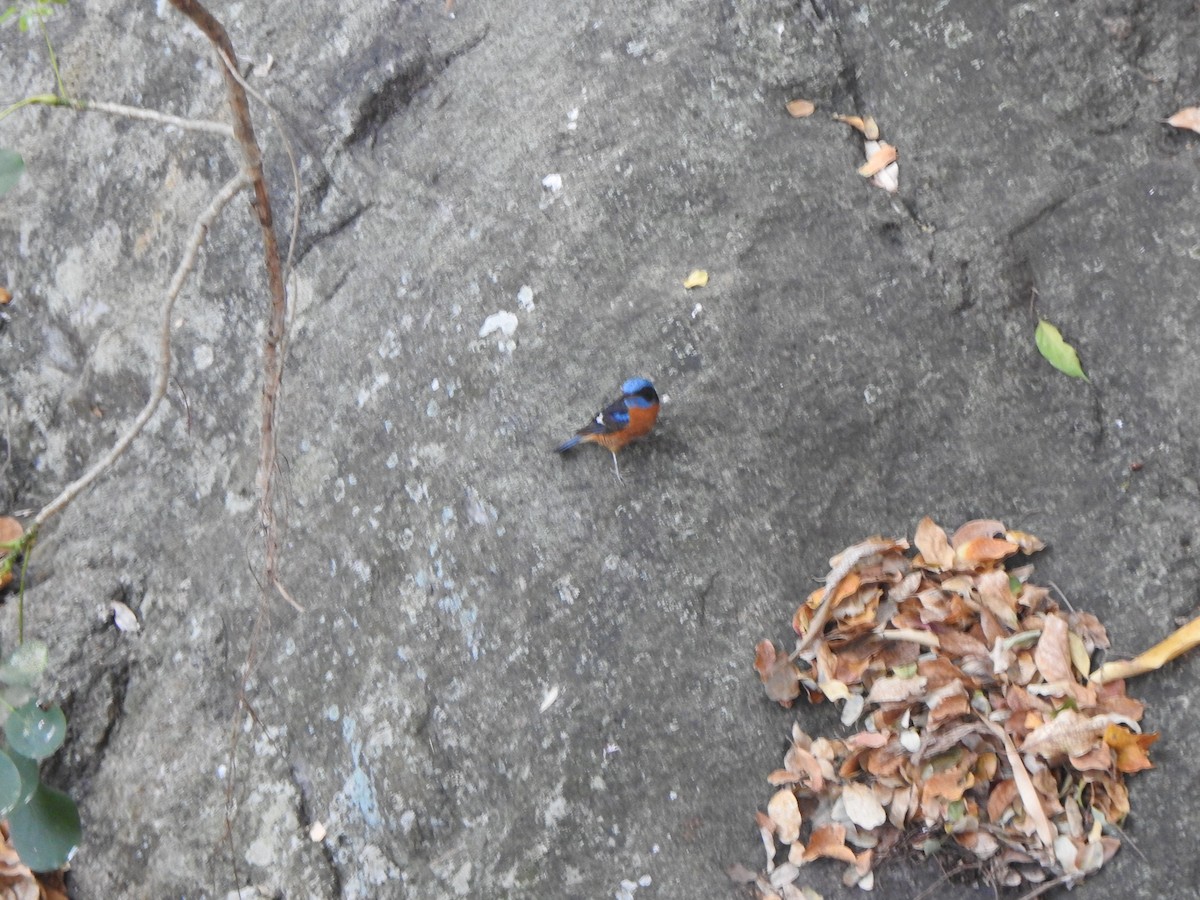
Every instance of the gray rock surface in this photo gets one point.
(857, 361)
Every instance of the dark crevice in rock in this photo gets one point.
(309, 241)
(400, 89)
(304, 791)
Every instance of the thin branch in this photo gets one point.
(243, 129)
(230, 190)
(130, 112)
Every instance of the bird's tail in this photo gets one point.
(568, 444)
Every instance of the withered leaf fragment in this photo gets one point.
(800, 109)
(778, 673)
(1188, 117)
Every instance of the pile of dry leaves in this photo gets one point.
(979, 728)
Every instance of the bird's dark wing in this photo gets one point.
(612, 418)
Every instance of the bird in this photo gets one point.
(622, 421)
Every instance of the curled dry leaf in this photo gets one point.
(947, 662)
(800, 109)
(696, 278)
(1179, 642)
(865, 125)
(1188, 117)
(879, 157)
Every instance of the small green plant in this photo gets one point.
(26, 14)
(44, 823)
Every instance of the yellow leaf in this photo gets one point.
(1179, 642)
(696, 278)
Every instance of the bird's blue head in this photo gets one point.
(639, 391)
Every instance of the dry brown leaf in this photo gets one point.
(800, 109)
(862, 806)
(1053, 651)
(1070, 733)
(1188, 117)
(785, 815)
(976, 528)
(5, 296)
(1131, 748)
(828, 841)
(985, 550)
(870, 128)
(933, 545)
(855, 122)
(779, 675)
(878, 158)
(995, 594)
(1176, 644)
(896, 690)
(1027, 542)
(1029, 794)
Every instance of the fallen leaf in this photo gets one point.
(1028, 793)
(1053, 651)
(828, 841)
(1188, 117)
(1131, 748)
(870, 128)
(862, 806)
(785, 815)
(879, 157)
(985, 550)
(1177, 643)
(800, 109)
(5, 296)
(779, 674)
(1057, 351)
(933, 545)
(855, 122)
(696, 278)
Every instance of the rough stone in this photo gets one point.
(857, 361)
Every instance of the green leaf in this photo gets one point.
(1058, 352)
(46, 831)
(28, 770)
(11, 167)
(10, 785)
(26, 665)
(35, 732)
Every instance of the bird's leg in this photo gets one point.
(616, 468)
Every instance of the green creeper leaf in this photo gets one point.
(11, 167)
(26, 664)
(28, 770)
(10, 785)
(1058, 352)
(35, 732)
(46, 831)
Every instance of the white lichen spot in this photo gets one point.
(392, 461)
(332, 713)
(362, 569)
(525, 297)
(202, 356)
(553, 182)
(502, 321)
(556, 811)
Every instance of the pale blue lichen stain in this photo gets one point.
(358, 788)
(468, 618)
